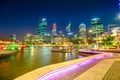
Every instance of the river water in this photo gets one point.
(28, 59)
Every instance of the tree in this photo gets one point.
(117, 44)
(107, 42)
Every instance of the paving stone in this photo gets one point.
(114, 72)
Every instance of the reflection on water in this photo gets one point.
(30, 58)
(70, 56)
(32, 51)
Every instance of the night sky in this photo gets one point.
(23, 16)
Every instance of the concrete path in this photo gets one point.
(107, 69)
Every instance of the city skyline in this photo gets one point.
(22, 17)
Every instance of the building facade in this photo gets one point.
(97, 27)
(82, 31)
(111, 27)
(54, 30)
(42, 30)
(13, 37)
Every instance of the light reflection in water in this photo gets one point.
(46, 55)
(81, 56)
(32, 51)
(70, 56)
(29, 59)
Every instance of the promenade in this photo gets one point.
(107, 69)
(103, 66)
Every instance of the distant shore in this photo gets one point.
(6, 52)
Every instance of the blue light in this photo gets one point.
(94, 19)
(43, 19)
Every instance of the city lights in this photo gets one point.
(59, 39)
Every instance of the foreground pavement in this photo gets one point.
(107, 69)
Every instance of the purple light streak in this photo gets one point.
(63, 71)
(59, 73)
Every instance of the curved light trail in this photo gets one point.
(60, 73)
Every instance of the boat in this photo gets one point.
(61, 49)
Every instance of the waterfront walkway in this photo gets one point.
(107, 69)
(97, 67)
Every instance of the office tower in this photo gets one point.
(13, 37)
(68, 28)
(54, 30)
(82, 31)
(97, 27)
(111, 27)
(42, 30)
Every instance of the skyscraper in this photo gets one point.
(97, 27)
(115, 31)
(111, 27)
(42, 30)
(54, 30)
(13, 37)
(69, 33)
(68, 28)
(82, 30)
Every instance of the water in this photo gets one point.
(14, 65)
